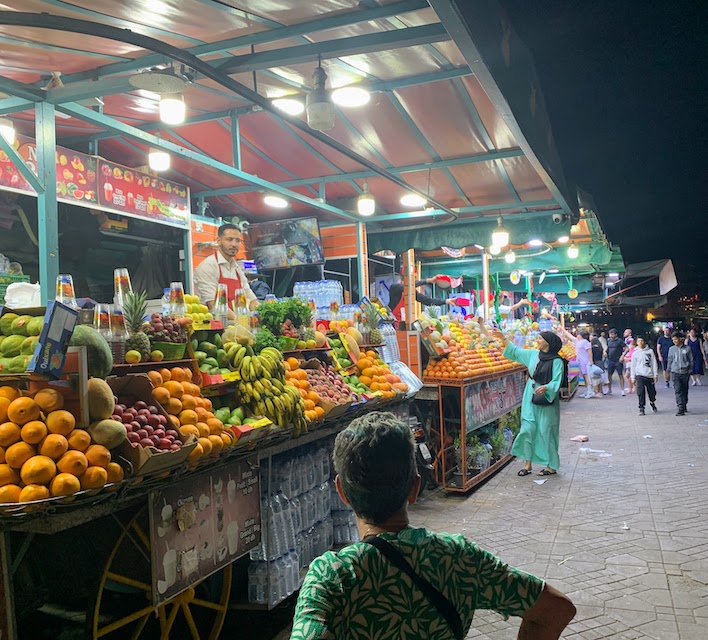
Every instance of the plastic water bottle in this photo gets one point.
(329, 532)
(276, 524)
(288, 520)
(296, 513)
(309, 474)
(289, 573)
(273, 586)
(166, 307)
(326, 499)
(311, 505)
(257, 580)
(326, 465)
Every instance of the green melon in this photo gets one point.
(19, 364)
(29, 345)
(19, 325)
(100, 359)
(6, 323)
(35, 326)
(12, 346)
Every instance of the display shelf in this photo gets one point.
(480, 477)
(461, 382)
(566, 393)
(295, 352)
(144, 367)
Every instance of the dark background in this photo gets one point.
(625, 88)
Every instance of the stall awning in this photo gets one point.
(661, 269)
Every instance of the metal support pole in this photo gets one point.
(47, 213)
(362, 260)
(323, 191)
(187, 262)
(236, 140)
(485, 278)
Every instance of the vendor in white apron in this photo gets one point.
(223, 268)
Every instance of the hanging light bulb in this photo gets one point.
(563, 239)
(172, 108)
(494, 250)
(541, 278)
(573, 252)
(320, 109)
(365, 204)
(351, 96)
(275, 201)
(500, 236)
(291, 106)
(7, 130)
(158, 160)
(510, 257)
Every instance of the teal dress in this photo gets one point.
(539, 437)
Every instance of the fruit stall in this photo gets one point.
(175, 453)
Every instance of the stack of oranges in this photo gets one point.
(461, 364)
(297, 377)
(43, 454)
(189, 412)
(376, 375)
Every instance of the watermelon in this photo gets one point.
(100, 359)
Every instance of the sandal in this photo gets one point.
(546, 472)
(524, 472)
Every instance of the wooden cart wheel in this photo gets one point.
(123, 603)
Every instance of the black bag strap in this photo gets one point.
(437, 599)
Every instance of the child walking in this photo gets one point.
(680, 367)
(644, 371)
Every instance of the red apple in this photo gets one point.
(142, 433)
(164, 443)
(141, 420)
(133, 437)
(149, 430)
(146, 442)
(175, 447)
(153, 409)
(153, 421)
(140, 405)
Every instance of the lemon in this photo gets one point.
(132, 357)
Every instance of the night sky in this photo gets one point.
(625, 88)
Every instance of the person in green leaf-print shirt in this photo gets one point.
(357, 594)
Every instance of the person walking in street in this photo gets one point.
(663, 344)
(693, 340)
(680, 367)
(583, 352)
(603, 340)
(400, 582)
(644, 372)
(615, 351)
(626, 361)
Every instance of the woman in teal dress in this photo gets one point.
(537, 442)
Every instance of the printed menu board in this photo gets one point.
(140, 195)
(202, 524)
(491, 399)
(96, 183)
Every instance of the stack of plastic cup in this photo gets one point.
(221, 304)
(121, 285)
(118, 333)
(177, 304)
(65, 290)
(102, 320)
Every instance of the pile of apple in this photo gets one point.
(146, 426)
(167, 329)
(329, 385)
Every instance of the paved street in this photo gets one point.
(622, 529)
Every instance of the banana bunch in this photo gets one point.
(263, 390)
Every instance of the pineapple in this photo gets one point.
(309, 333)
(134, 309)
(372, 321)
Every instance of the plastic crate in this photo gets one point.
(6, 280)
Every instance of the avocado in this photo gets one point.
(200, 356)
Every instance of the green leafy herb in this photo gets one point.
(272, 315)
(265, 338)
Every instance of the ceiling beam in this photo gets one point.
(340, 47)
(21, 90)
(124, 130)
(15, 105)
(362, 175)
(327, 22)
(497, 206)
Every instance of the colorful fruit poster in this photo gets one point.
(491, 399)
(140, 195)
(76, 173)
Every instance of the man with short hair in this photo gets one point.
(223, 268)
(644, 372)
(615, 350)
(663, 344)
(680, 367)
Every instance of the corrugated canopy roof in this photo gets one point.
(431, 123)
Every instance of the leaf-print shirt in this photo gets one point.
(356, 594)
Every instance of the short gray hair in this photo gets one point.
(375, 460)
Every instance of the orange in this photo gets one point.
(34, 492)
(206, 445)
(189, 429)
(115, 472)
(179, 375)
(189, 402)
(23, 410)
(61, 422)
(94, 478)
(175, 389)
(191, 389)
(98, 456)
(64, 484)
(175, 421)
(294, 363)
(188, 417)
(19, 453)
(196, 453)
(8, 475)
(203, 430)
(34, 432)
(73, 462)
(365, 380)
(227, 437)
(10, 393)
(160, 394)
(173, 406)
(49, 400)
(79, 440)
(202, 414)
(217, 444)
(10, 493)
(309, 405)
(9, 434)
(2, 455)
(54, 446)
(312, 395)
(305, 384)
(38, 470)
(4, 404)
(320, 412)
(215, 425)
(364, 363)
(155, 378)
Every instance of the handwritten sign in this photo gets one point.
(202, 524)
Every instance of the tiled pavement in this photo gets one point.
(623, 532)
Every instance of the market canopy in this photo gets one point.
(456, 112)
